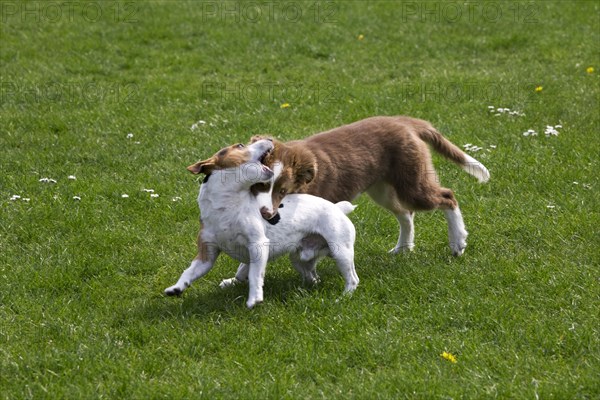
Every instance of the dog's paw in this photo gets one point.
(225, 283)
(314, 280)
(311, 279)
(346, 296)
(253, 301)
(350, 288)
(254, 298)
(173, 291)
(406, 248)
(458, 248)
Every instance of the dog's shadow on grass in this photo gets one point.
(204, 299)
(283, 287)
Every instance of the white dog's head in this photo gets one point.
(239, 162)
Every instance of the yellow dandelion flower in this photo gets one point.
(361, 37)
(284, 105)
(539, 88)
(590, 70)
(449, 356)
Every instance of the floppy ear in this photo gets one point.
(305, 174)
(305, 167)
(202, 167)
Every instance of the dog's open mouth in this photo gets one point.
(264, 156)
(266, 169)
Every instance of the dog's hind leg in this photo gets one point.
(306, 268)
(344, 259)
(443, 198)
(457, 234)
(438, 197)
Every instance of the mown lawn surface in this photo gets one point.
(107, 99)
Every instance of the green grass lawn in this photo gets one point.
(113, 95)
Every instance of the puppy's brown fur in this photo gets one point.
(387, 157)
(341, 163)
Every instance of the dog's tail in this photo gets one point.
(345, 206)
(449, 150)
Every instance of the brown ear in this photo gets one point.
(202, 167)
(304, 165)
(305, 174)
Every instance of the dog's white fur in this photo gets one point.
(309, 228)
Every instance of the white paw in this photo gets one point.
(174, 290)
(311, 279)
(345, 296)
(458, 248)
(350, 287)
(253, 301)
(225, 283)
(402, 249)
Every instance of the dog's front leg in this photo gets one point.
(201, 264)
(196, 270)
(259, 255)
(240, 276)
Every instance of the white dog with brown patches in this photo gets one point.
(307, 228)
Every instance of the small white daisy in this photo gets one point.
(72, 177)
(197, 124)
(154, 195)
(76, 198)
(550, 131)
(124, 195)
(177, 198)
(129, 135)
(148, 190)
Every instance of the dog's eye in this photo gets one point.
(282, 192)
(240, 146)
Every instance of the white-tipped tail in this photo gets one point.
(345, 206)
(475, 168)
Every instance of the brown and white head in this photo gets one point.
(246, 161)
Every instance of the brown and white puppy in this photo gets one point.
(386, 157)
